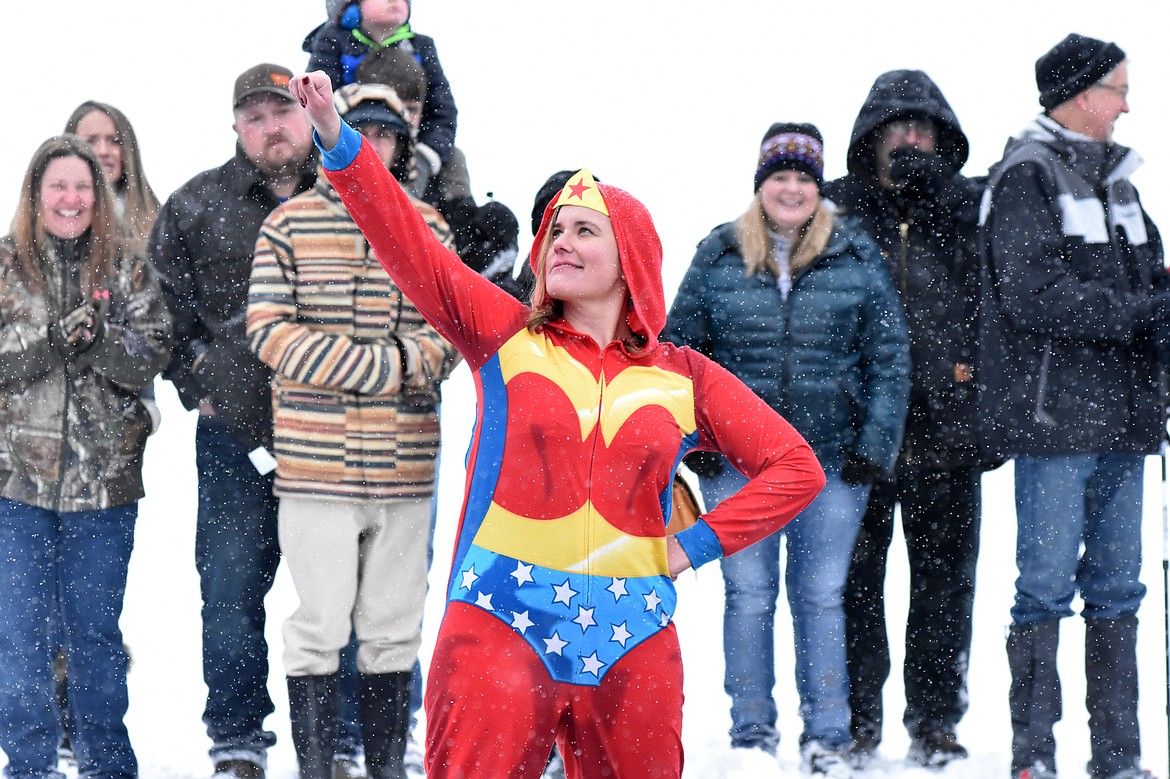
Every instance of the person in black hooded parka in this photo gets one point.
(904, 184)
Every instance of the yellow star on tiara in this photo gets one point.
(582, 190)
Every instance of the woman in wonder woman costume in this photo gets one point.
(558, 622)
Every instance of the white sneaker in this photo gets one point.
(412, 761)
(751, 763)
(820, 760)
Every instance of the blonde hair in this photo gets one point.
(28, 228)
(755, 241)
(141, 203)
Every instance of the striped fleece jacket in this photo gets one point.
(355, 394)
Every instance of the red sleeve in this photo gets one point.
(783, 471)
(467, 309)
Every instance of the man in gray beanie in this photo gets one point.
(1074, 313)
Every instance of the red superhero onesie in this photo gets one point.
(558, 621)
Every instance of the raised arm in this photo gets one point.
(315, 92)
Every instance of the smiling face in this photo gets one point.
(98, 130)
(1105, 102)
(65, 201)
(790, 198)
(582, 264)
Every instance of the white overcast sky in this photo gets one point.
(667, 100)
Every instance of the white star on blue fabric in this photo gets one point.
(591, 665)
(652, 600)
(523, 573)
(564, 593)
(618, 588)
(665, 619)
(469, 577)
(584, 618)
(521, 621)
(621, 634)
(554, 645)
(484, 601)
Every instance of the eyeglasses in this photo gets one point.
(1122, 91)
(903, 128)
(378, 132)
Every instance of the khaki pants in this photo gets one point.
(354, 565)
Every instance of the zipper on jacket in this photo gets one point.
(903, 253)
(588, 524)
(62, 466)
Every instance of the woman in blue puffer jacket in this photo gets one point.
(796, 302)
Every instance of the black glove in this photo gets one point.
(920, 174)
(494, 240)
(78, 331)
(705, 464)
(858, 470)
(1161, 312)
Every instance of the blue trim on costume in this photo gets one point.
(489, 456)
(700, 543)
(344, 153)
(666, 497)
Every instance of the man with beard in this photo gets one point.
(202, 246)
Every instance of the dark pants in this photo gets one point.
(236, 553)
(940, 521)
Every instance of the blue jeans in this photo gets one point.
(820, 545)
(236, 553)
(82, 556)
(1068, 502)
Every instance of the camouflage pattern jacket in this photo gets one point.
(356, 366)
(72, 430)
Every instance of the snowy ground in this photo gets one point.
(161, 625)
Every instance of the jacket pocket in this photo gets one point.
(309, 435)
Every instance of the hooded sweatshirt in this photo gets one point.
(569, 473)
(930, 248)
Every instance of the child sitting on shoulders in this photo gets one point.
(358, 27)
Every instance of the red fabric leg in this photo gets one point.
(491, 708)
(631, 726)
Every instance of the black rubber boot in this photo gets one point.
(385, 714)
(1111, 695)
(1034, 698)
(312, 704)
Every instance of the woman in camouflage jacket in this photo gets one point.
(82, 330)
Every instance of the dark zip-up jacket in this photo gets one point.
(202, 246)
(73, 430)
(1071, 267)
(929, 242)
(832, 358)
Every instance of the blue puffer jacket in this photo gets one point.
(833, 358)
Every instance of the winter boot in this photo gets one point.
(1111, 695)
(1034, 699)
(385, 713)
(312, 705)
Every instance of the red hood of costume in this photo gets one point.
(640, 252)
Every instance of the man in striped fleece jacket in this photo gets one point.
(355, 399)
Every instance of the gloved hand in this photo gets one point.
(1161, 311)
(919, 174)
(78, 331)
(858, 470)
(708, 465)
(493, 241)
